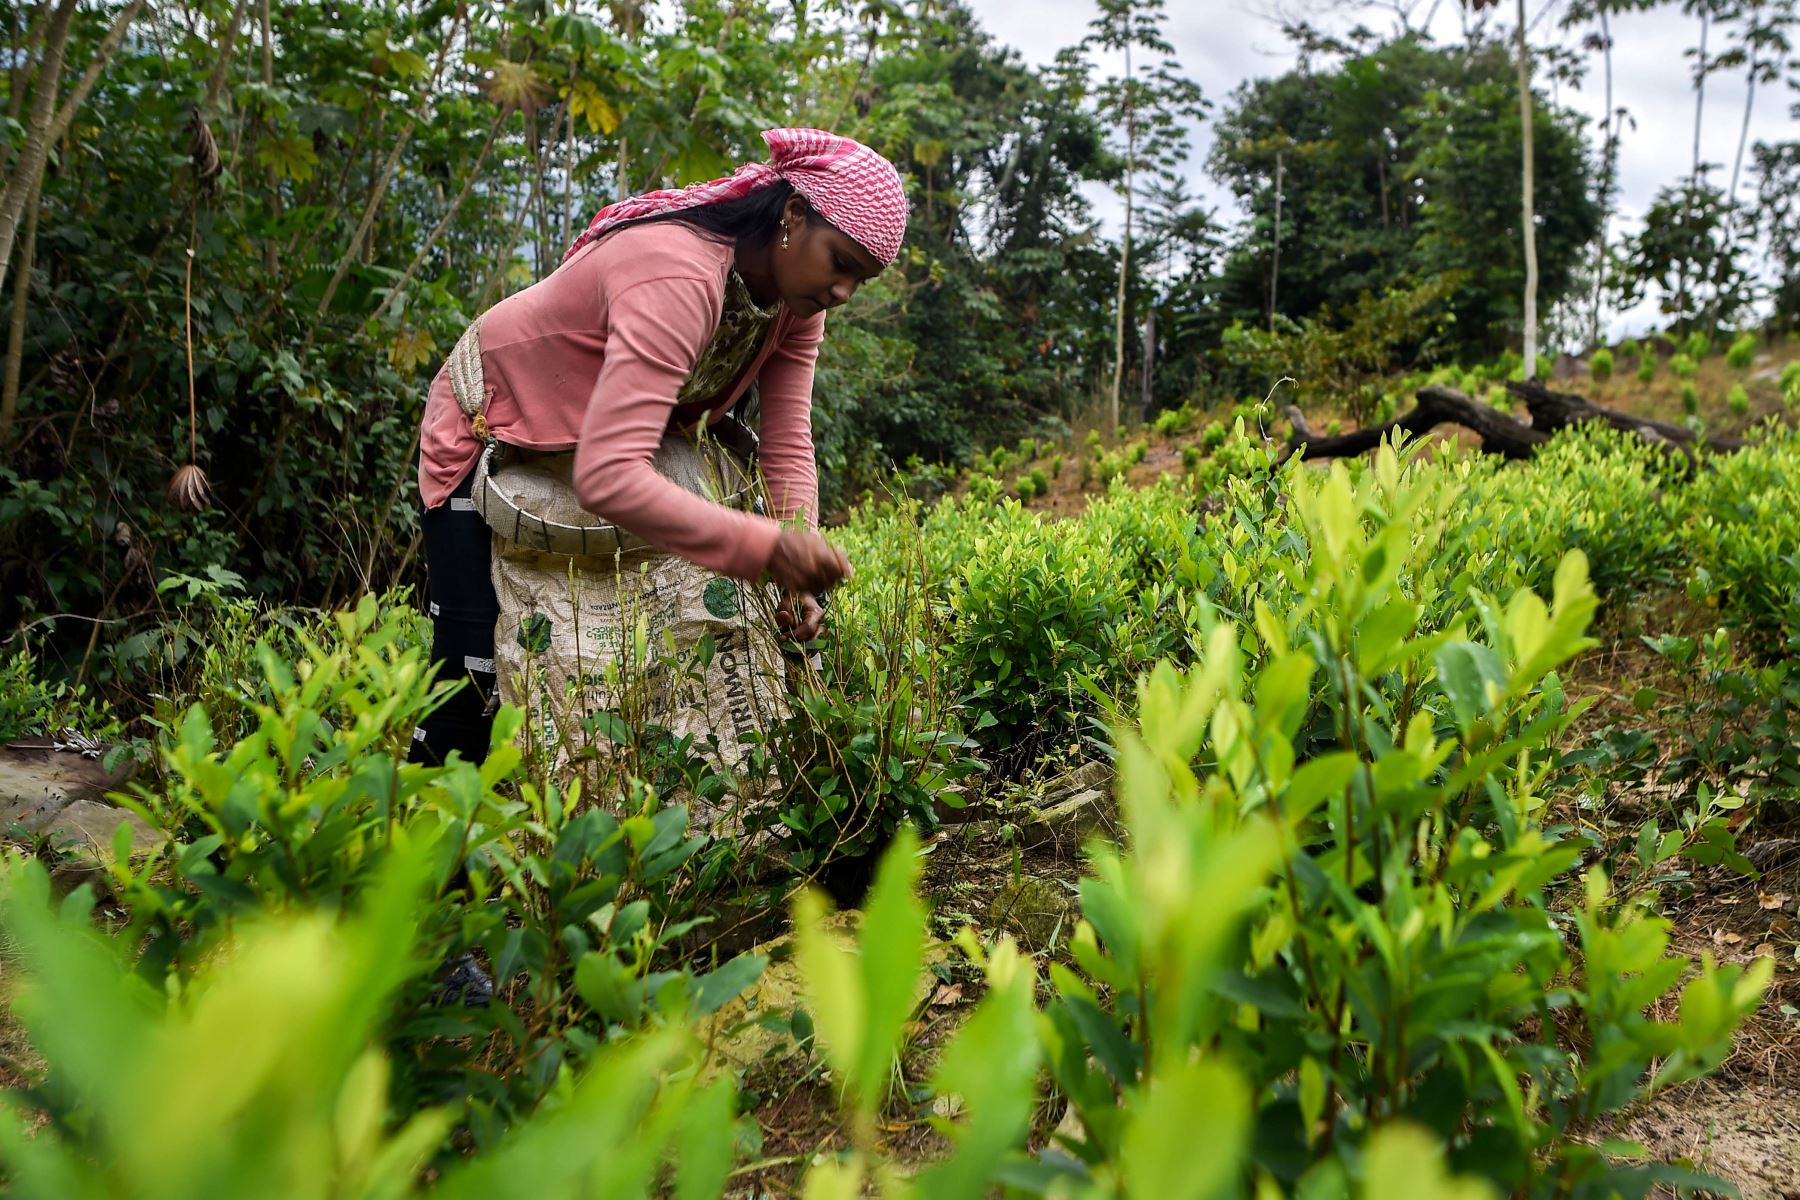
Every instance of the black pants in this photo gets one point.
(464, 610)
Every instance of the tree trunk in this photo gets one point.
(1112, 405)
(215, 83)
(386, 176)
(1531, 263)
(1146, 377)
(15, 337)
(1737, 162)
(1275, 249)
(27, 175)
(1687, 203)
(1608, 166)
(443, 224)
(271, 246)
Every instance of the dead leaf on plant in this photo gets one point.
(1766, 950)
(947, 994)
(1727, 939)
(1778, 900)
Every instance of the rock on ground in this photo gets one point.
(61, 797)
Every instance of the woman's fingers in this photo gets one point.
(806, 562)
(801, 616)
(811, 618)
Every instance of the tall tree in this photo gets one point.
(1612, 126)
(1706, 10)
(1761, 48)
(1150, 109)
(1526, 183)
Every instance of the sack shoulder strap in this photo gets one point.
(466, 381)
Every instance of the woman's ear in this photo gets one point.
(794, 213)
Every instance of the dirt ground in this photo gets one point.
(1747, 1134)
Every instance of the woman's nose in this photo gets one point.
(842, 291)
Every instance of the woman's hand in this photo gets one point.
(806, 563)
(801, 615)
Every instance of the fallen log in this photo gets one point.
(1551, 411)
(1438, 405)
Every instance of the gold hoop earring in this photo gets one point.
(784, 235)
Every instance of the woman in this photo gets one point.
(661, 316)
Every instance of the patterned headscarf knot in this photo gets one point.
(848, 184)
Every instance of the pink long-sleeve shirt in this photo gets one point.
(592, 358)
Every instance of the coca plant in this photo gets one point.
(1385, 934)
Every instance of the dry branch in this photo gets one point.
(1437, 405)
(1551, 411)
(1500, 434)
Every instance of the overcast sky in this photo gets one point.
(1220, 43)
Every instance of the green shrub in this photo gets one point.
(1698, 345)
(1738, 400)
(1056, 466)
(1030, 612)
(1683, 366)
(1028, 448)
(1134, 453)
(1740, 527)
(876, 738)
(315, 802)
(1591, 488)
(1737, 725)
(1600, 366)
(1040, 482)
(1092, 441)
(1790, 377)
(1027, 488)
(984, 489)
(1630, 348)
(1190, 457)
(1164, 991)
(1646, 370)
(1333, 427)
(272, 1072)
(33, 706)
(1742, 352)
(1172, 421)
(1213, 436)
(1690, 399)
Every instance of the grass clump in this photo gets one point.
(1601, 365)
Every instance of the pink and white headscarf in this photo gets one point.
(847, 183)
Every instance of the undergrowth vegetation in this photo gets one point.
(1344, 940)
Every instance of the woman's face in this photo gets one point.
(821, 267)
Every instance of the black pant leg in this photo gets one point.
(464, 610)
